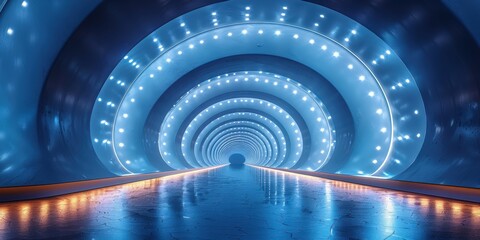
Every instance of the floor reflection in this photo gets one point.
(240, 203)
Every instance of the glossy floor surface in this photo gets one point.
(240, 203)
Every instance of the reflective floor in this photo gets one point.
(240, 203)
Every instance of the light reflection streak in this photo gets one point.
(4, 216)
(43, 214)
(24, 215)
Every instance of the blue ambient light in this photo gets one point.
(380, 93)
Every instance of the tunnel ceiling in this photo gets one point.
(309, 85)
(226, 79)
(379, 93)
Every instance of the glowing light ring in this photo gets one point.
(242, 103)
(272, 130)
(264, 149)
(409, 137)
(251, 81)
(251, 125)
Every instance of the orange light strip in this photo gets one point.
(404, 187)
(189, 172)
(312, 177)
(8, 194)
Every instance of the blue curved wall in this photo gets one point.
(37, 34)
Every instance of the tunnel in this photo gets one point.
(363, 96)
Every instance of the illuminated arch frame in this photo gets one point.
(402, 132)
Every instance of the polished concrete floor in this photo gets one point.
(240, 203)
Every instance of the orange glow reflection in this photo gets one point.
(92, 206)
(23, 216)
(3, 221)
(457, 210)
(439, 207)
(43, 213)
